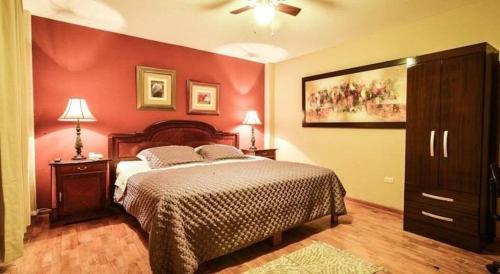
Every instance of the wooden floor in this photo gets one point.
(117, 245)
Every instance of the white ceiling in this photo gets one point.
(208, 25)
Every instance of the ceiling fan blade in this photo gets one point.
(288, 9)
(240, 10)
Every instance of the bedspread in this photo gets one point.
(199, 213)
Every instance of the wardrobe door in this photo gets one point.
(422, 127)
(461, 123)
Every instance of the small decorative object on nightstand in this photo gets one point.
(252, 119)
(79, 190)
(268, 153)
(77, 111)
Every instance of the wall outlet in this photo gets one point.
(389, 180)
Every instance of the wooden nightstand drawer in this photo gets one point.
(268, 153)
(82, 167)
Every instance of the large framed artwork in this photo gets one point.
(155, 88)
(203, 98)
(372, 96)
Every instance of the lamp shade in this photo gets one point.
(251, 118)
(77, 110)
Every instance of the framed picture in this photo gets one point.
(203, 98)
(372, 96)
(155, 88)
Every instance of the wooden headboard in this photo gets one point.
(123, 147)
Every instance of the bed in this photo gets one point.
(199, 211)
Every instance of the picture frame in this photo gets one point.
(156, 88)
(371, 96)
(203, 98)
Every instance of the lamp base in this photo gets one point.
(79, 157)
(252, 147)
(78, 143)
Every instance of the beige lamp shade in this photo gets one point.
(251, 118)
(77, 110)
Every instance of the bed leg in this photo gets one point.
(277, 238)
(334, 221)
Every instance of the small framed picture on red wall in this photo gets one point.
(203, 98)
(155, 88)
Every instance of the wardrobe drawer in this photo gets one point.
(463, 240)
(442, 217)
(462, 202)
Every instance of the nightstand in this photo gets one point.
(268, 153)
(79, 190)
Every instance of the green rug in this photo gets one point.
(318, 258)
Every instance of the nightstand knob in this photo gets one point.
(82, 168)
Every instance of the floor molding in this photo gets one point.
(370, 204)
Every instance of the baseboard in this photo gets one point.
(374, 205)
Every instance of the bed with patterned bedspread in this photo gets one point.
(196, 213)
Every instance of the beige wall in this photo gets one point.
(362, 157)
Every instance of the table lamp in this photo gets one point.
(252, 119)
(77, 111)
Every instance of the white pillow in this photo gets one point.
(141, 156)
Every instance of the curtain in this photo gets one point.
(16, 129)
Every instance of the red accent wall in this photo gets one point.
(70, 60)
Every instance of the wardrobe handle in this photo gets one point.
(435, 197)
(431, 143)
(425, 213)
(445, 144)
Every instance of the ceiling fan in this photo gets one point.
(265, 10)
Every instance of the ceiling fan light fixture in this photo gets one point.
(264, 14)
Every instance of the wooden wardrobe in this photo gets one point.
(450, 141)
